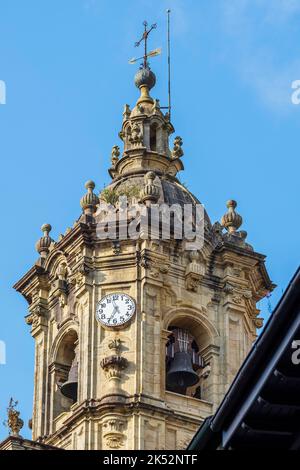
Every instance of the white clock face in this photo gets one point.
(115, 309)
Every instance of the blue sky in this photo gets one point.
(65, 65)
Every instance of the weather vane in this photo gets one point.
(156, 52)
(144, 38)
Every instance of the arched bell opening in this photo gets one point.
(183, 363)
(153, 137)
(66, 374)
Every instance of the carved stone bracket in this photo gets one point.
(60, 291)
(37, 313)
(80, 274)
(115, 345)
(194, 272)
(113, 432)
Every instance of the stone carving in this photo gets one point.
(80, 273)
(44, 243)
(150, 193)
(115, 153)
(126, 112)
(237, 299)
(14, 422)
(184, 442)
(156, 269)
(115, 345)
(113, 367)
(156, 107)
(228, 288)
(136, 136)
(37, 312)
(236, 272)
(113, 433)
(205, 373)
(258, 322)
(177, 151)
(194, 272)
(144, 263)
(62, 271)
(62, 300)
(231, 220)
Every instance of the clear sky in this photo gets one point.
(65, 65)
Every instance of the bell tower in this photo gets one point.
(138, 338)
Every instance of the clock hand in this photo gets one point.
(115, 310)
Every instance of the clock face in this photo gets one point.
(115, 309)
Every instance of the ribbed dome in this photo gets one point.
(171, 191)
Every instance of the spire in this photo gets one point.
(146, 129)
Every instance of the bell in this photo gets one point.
(181, 374)
(69, 388)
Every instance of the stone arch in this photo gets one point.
(153, 136)
(204, 331)
(206, 337)
(65, 330)
(62, 355)
(54, 261)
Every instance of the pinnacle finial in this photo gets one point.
(90, 185)
(14, 422)
(150, 193)
(177, 151)
(115, 153)
(89, 201)
(43, 244)
(231, 220)
(145, 80)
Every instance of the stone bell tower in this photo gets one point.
(145, 381)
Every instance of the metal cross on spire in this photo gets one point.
(145, 39)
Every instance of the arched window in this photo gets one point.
(183, 363)
(153, 137)
(66, 374)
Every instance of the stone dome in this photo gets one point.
(171, 191)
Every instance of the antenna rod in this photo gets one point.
(169, 63)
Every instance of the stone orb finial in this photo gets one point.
(231, 203)
(46, 228)
(90, 185)
(89, 201)
(43, 244)
(146, 77)
(231, 220)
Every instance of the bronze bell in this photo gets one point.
(70, 387)
(181, 374)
